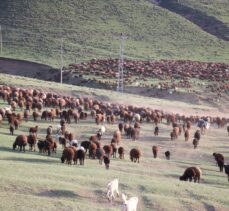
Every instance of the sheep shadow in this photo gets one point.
(59, 194)
(29, 160)
(8, 134)
(208, 207)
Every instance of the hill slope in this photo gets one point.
(32, 30)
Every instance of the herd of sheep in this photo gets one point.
(67, 110)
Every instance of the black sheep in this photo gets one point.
(226, 168)
(80, 155)
(167, 155)
(106, 161)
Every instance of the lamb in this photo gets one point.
(20, 141)
(186, 135)
(68, 155)
(192, 173)
(32, 140)
(121, 152)
(167, 155)
(156, 131)
(112, 189)
(135, 154)
(195, 142)
(129, 205)
(155, 151)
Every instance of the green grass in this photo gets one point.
(33, 181)
(32, 31)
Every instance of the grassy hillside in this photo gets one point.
(32, 30)
(34, 181)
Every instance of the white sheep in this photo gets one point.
(112, 188)
(102, 129)
(129, 205)
(137, 117)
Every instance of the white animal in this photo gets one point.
(80, 148)
(103, 129)
(73, 142)
(112, 188)
(137, 117)
(129, 205)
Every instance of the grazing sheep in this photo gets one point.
(112, 189)
(226, 168)
(167, 155)
(129, 205)
(195, 143)
(135, 155)
(155, 151)
(192, 173)
(156, 131)
(121, 152)
(11, 129)
(21, 142)
(106, 161)
(86, 145)
(32, 140)
(68, 155)
(186, 135)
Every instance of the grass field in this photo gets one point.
(91, 29)
(32, 181)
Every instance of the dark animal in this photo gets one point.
(33, 130)
(80, 155)
(21, 142)
(32, 140)
(226, 168)
(219, 158)
(121, 152)
(106, 161)
(186, 135)
(197, 135)
(62, 141)
(108, 150)
(156, 131)
(120, 127)
(11, 129)
(99, 155)
(92, 150)
(195, 143)
(155, 151)
(167, 155)
(86, 145)
(135, 155)
(192, 173)
(68, 155)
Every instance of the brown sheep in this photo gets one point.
(106, 161)
(21, 142)
(35, 115)
(197, 135)
(135, 155)
(186, 135)
(79, 155)
(195, 143)
(49, 130)
(68, 155)
(108, 150)
(120, 127)
(33, 130)
(121, 152)
(99, 155)
(16, 124)
(99, 118)
(156, 131)
(219, 160)
(117, 135)
(32, 140)
(62, 141)
(155, 151)
(26, 115)
(192, 173)
(92, 150)
(114, 150)
(137, 125)
(135, 134)
(11, 130)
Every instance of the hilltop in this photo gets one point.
(32, 31)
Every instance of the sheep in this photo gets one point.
(106, 161)
(33, 130)
(80, 155)
(114, 149)
(35, 115)
(167, 155)
(62, 141)
(219, 160)
(20, 141)
(121, 152)
(11, 129)
(155, 151)
(137, 125)
(226, 168)
(49, 130)
(99, 155)
(197, 135)
(32, 140)
(135, 155)
(134, 134)
(192, 173)
(50, 144)
(129, 205)
(156, 131)
(137, 117)
(186, 135)
(108, 150)
(195, 143)
(41, 146)
(228, 129)
(117, 135)
(112, 189)
(120, 127)
(68, 155)
(92, 150)
(86, 145)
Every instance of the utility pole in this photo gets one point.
(1, 39)
(61, 61)
(120, 78)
